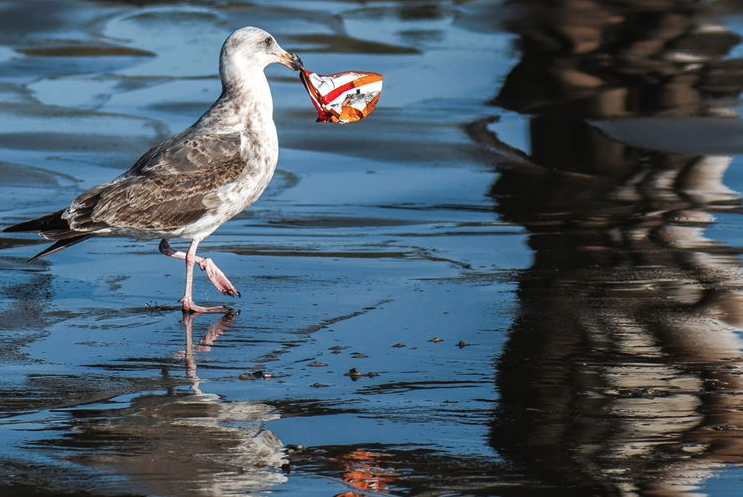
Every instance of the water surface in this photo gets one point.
(519, 276)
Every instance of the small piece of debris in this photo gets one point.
(256, 375)
(151, 306)
(338, 347)
(461, 344)
(358, 355)
(355, 374)
(399, 345)
(317, 364)
(436, 340)
(319, 385)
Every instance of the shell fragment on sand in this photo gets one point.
(343, 97)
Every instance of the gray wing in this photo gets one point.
(168, 187)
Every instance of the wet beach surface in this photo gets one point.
(521, 276)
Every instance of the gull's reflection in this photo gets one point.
(183, 444)
(204, 345)
(623, 365)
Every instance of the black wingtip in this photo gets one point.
(16, 228)
(52, 221)
(55, 247)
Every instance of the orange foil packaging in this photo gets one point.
(344, 97)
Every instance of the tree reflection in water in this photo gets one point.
(623, 364)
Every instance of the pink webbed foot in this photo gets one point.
(217, 277)
(188, 306)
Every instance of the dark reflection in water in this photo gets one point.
(177, 443)
(622, 367)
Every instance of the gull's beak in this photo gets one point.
(290, 60)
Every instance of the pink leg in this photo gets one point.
(215, 275)
(187, 300)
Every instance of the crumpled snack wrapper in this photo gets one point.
(344, 97)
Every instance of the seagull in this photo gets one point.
(193, 182)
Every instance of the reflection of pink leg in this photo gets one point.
(215, 331)
(191, 259)
(215, 275)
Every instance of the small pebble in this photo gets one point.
(261, 375)
(355, 374)
(258, 375)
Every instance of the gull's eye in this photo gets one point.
(268, 41)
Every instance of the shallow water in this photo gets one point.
(520, 276)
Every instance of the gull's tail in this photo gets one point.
(53, 227)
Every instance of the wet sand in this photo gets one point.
(519, 276)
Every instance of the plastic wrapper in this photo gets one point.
(344, 97)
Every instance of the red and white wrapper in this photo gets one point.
(344, 97)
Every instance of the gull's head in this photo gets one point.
(249, 48)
